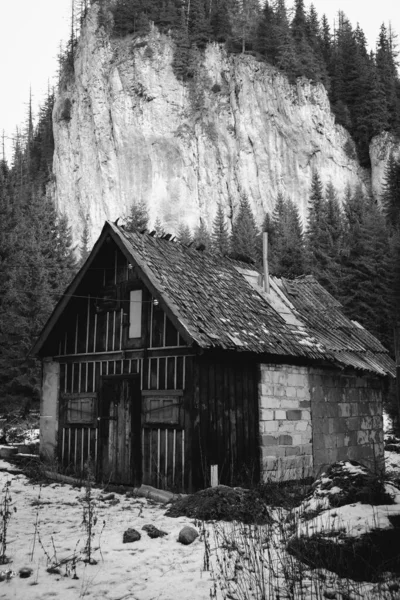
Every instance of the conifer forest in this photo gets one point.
(351, 244)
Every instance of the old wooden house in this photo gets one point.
(163, 364)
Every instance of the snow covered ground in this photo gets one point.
(147, 569)
(46, 529)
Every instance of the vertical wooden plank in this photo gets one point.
(174, 458)
(179, 373)
(76, 333)
(87, 324)
(69, 458)
(90, 373)
(183, 459)
(96, 376)
(115, 333)
(63, 377)
(222, 423)
(161, 373)
(239, 419)
(63, 446)
(121, 327)
(95, 348)
(80, 388)
(75, 431)
(151, 321)
(229, 385)
(65, 342)
(107, 330)
(75, 367)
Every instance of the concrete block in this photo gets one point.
(297, 439)
(267, 389)
(272, 451)
(293, 415)
(291, 392)
(377, 422)
(289, 404)
(344, 409)
(320, 425)
(366, 422)
(362, 437)
(280, 415)
(303, 426)
(303, 392)
(269, 463)
(292, 450)
(305, 404)
(266, 415)
(353, 423)
(269, 403)
(287, 427)
(279, 391)
(270, 426)
(306, 449)
(285, 440)
(269, 440)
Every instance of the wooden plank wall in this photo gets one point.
(166, 452)
(227, 432)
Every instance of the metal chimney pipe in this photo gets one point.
(265, 262)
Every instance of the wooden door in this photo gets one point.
(120, 458)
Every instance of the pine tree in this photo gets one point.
(390, 197)
(138, 218)
(84, 245)
(184, 235)
(316, 237)
(159, 227)
(285, 239)
(365, 265)
(244, 232)
(220, 235)
(201, 236)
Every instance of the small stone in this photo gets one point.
(107, 497)
(153, 532)
(54, 570)
(25, 572)
(131, 535)
(187, 535)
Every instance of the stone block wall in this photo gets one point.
(285, 422)
(346, 412)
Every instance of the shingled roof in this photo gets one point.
(219, 304)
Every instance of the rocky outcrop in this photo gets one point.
(126, 129)
(380, 149)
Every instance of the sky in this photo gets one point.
(31, 31)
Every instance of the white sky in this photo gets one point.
(31, 30)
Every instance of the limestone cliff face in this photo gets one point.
(380, 148)
(127, 130)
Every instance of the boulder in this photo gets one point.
(131, 535)
(153, 532)
(187, 535)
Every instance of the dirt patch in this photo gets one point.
(222, 503)
(366, 558)
(349, 482)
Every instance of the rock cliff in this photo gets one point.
(126, 129)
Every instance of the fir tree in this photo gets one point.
(184, 235)
(220, 235)
(201, 236)
(138, 218)
(84, 245)
(244, 232)
(390, 197)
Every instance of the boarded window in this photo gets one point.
(81, 408)
(135, 314)
(162, 407)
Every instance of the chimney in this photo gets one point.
(265, 262)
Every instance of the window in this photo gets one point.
(135, 314)
(80, 408)
(162, 406)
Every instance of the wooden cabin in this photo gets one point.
(167, 366)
